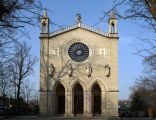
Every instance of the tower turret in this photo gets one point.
(112, 23)
(45, 22)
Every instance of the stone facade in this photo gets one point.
(79, 81)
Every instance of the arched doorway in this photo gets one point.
(96, 99)
(60, 99)
(78, 99)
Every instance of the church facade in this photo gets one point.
(79, 70)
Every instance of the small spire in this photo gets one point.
(45, 13)
(78, 18)
(113, 14)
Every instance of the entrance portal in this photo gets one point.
(96, 100)
(60, 98)
(78, 99)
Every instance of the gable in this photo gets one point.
(76, 26)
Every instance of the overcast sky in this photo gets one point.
(63, 13)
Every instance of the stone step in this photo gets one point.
(83, 118)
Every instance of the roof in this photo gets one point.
(72, 27)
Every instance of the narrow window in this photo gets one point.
(112, 28)
(44, 27)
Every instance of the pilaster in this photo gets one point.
(68, 104)
(88, 101)
(103, 103)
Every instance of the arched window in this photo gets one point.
(43, 27)
(112, 28)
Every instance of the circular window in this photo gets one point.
(78, 52)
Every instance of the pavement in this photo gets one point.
(62, 118)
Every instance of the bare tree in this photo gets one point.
(142, 11)
(134, 9)
(28, 91)
(150, 66)
(16, 14)
(23, 63)
(5, 78)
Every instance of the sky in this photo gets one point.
(63, 12)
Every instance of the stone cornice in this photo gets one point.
(113, 91)
(79, 25)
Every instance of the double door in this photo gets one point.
(78, 104)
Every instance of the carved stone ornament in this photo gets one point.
(78, 18)
(89, 70)
(55, 51)
(107, 70)
(70, 70)
(102, 51)
(51, 70)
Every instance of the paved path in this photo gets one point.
(61, 118)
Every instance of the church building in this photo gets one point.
(79, 70)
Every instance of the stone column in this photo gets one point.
(43, 103)
(85, 103)
(103, 103)
(89, 103)
(68, 104)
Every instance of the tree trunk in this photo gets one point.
(18, 98)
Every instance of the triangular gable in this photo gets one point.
(69, 28)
